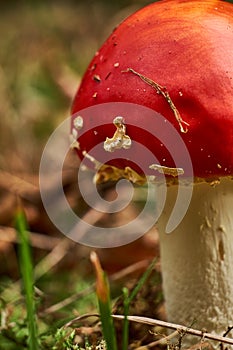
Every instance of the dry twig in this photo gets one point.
(179, 328)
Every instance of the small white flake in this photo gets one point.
(73, 139)
(119, 139)
(78, 122)
(167, 170)
(74, 134)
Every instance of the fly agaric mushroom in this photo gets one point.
(176, 57)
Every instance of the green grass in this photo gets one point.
(105, 304)
(25, 325)
(26, 268)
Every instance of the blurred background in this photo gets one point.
(45, 47)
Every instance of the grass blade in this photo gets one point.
(26, 269)
(104, 300)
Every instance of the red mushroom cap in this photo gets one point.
(186, 47)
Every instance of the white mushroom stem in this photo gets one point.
(197, 259)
